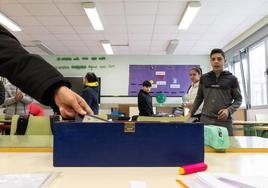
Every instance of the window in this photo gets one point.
(258, 86)
(237, 72)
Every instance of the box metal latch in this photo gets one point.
(129, 127)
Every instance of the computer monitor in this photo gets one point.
(77, 84)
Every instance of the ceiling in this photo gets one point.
(134, 27)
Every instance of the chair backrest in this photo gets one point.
(14, 122)
(38, 125)
(261, 117)
(2, 117)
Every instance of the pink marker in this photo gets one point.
(188, 169)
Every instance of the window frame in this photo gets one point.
(246, 84)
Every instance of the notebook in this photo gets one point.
(226, 180)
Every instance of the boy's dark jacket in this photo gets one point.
(91, 96)
(145, 104)
(218, 93)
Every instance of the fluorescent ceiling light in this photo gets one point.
(43, 47)
(172, 46)
(93, 15)
(9, 23)
(107, 47)
(189, 14)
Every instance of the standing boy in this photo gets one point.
(145, 100)
(220, 92)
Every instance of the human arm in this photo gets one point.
(34, 76)
(198, 99)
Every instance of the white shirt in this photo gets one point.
(192, 95)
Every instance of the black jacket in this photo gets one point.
(218, 93)
(145, 104)
(91, 96)
(2, 93)
(31, 73)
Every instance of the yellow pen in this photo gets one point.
(183, 185)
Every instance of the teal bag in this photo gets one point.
(216, 137)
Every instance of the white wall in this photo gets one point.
(252, 112)
(115, 79)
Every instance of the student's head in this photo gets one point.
(217, 59)
(146, 86)
(90, 77)
(195, 74)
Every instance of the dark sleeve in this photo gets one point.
(198, 99)
(237, 97)
(2, 93)
(144, 107)
(87, 96)
(31, 73)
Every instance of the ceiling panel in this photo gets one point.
(60, 29)
(71, 9)
(47, 9)
(141, 8)
(132, 29)
(52, 20)
(167, 19)
(171, 8)
(113, 19)
(142, 26)
(140, 19)
(14, 10)
(35, 30)
(35, 1)
(67, 37)
(78, 20)
(26, 21)
(111, 8)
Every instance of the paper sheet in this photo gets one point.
(29, 180)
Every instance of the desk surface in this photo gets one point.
(237, 163)
(45, 142)
(250, 122)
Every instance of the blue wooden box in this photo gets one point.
(127, 144)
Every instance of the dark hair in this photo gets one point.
(217, 51)
(91, 77)
(197, 69)
(146, 83)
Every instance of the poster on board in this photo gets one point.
(172, 80)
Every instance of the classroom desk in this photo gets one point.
(26, 143)
(155, 177)
(248, 131)
(44, 143)
(244, 144)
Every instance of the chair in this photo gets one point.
(37, 125)
(262, 129)
(14, 122)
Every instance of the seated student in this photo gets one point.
(145, 100)
(195, 75)
(90, 91)
(220, 92)
(15, 101)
